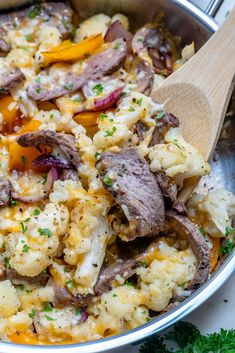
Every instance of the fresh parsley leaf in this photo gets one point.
(48, 308)
(183, 333)
(139, 101)
(114, 295)
(97, 155)
(103, 116)
(13, 202)
(7, 263)
(44, 179)
(24, 226)
(107, 181)
(25, 248)
(117, 45)
(34, 11)
(129, 283)
(68, 86)
(98, 89)
(24, 160)
(109, 133)
(49, 318)
(45, 232)
(32, 314)
(160, 115)
(36, 212)
(228, 231)
(154, 345)
(70, 283)
(131, 109)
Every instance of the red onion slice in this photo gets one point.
(83, 316)
(48, 160)
(107, 101)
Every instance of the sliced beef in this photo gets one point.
(155, 42)
(186, 229)
(127, 177)
(140, 129)
(98, 65)
(64, 298)
(123, 268)
(115, 31)
(10, 79)
(17, 279)
(57, 14)
(163, 125)
(65, 142)
(69, 174)
(169, 191)
(5, 191)
(145, 76)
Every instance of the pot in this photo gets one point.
(188, 21)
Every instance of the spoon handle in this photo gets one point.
(212, 68)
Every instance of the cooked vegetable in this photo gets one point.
(68, 51)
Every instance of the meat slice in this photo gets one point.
(167, 121)
(64, 142)
(145, 76)
(169, 191)
(156, 44)
(5, 191)
(4, 46)
(15, 278)
(127, 177)
(10, 79)
(115, 31)
(186, 229)
(98, 65)
(123, 268)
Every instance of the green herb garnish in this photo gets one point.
(45, 232)
(98, 89)
(160, 115)
(109, 133)
(107, 181)
(32, 314)
(34, 11)
(48, 308)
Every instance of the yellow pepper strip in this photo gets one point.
(214, 253)
(68, 51)
(33, 339)
(89, 120)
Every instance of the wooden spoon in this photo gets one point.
(198, 93)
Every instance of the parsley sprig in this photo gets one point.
(190, 340)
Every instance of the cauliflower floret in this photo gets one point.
(66, 190)
(40, 240)
(215, 211)
(177, 158)
(122, 18)
(162, 278)
(4, 160)
(9, 300)
(20, 58)
(96, 24)
(37, 298)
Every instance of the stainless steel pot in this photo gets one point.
(190, 23)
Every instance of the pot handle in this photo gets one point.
(213, 7)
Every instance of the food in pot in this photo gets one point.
(93, 238)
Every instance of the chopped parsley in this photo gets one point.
(131, 109)
(70, 283)
(117, 45)
(103, 116)
(73, 31)
(24, 226)
(7, 263)
(38, 89)
(78, 312)
(109, 133)
(228, 243)
(34, 11)
(25, 248)
(107, 180)
(78, 99)
(49, 318)
(139, 102)
(129, 283)
(36, 212)
(98, 89)
(24, 160)
(123, 94)
(44, 178)
(68, 86)
(176, 143)
(13, 202)
(114, 295)
(202, 230)
(29, 37)
(38, 79)
(45, 232)
(160, 115)
(48, 308)
(97, 155)
(32, 314)
(65, 23)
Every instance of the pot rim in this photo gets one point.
(161, 322)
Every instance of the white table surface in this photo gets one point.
(218, 311)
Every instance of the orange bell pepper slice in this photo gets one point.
(31, 126)
(89, 120)
(25, 338)
(215, 252)
(68, 51)
(11, 114)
